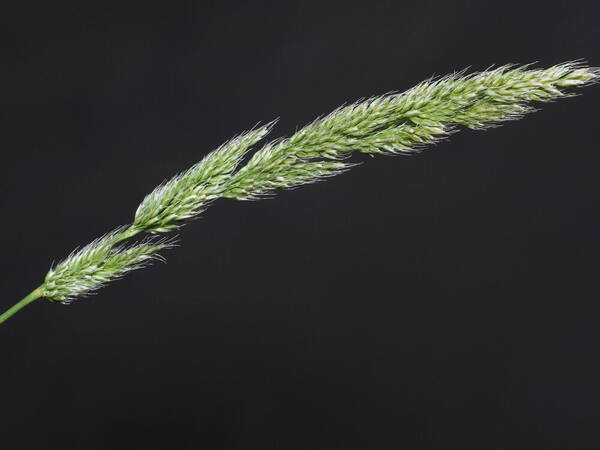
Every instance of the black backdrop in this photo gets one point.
(445, 300)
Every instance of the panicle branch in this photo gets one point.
(88, 269)
(189, 193)
(406, 122)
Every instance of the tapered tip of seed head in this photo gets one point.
(591, 74)
(584, 75)
(578, 73)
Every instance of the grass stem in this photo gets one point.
(31, 297)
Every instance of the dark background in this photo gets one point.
(447, 300)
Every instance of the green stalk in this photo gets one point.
(34, 295)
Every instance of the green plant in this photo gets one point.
(388, 124)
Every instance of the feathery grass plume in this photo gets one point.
(403, 123)
(187, 194)
(389, 124)
(88, 269)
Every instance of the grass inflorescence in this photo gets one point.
(398, 123)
